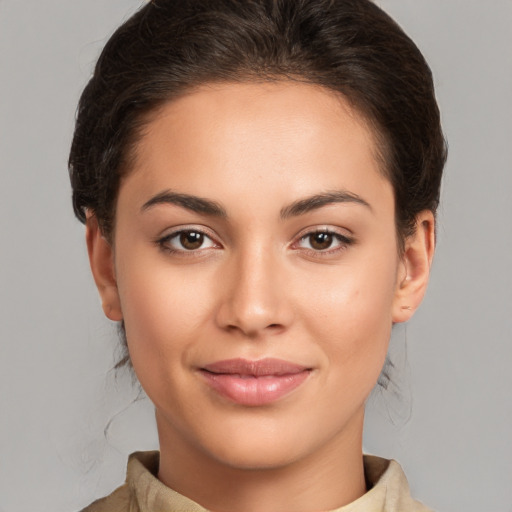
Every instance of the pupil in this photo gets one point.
(191, 240)
(321, 241)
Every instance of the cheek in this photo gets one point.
(165, 313)
(350, 315)
(163, 309)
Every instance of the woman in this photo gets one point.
(259, 183)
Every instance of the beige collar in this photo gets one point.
(389, 489)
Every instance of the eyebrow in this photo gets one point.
(214, 209)
(317, 201)
(189, 202)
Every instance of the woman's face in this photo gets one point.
(256, 270)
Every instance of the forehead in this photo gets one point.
(252, 137)
(296, 109)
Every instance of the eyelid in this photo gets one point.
(345, 239)
(177, 230)
(325, 228)
(168, 232)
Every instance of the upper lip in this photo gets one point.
(257, 368)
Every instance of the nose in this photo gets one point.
(254, 298)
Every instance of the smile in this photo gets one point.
(254, 383)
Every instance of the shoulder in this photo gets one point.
(140, 479)
(389, 487)
(118, 501)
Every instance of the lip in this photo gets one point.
(254, 383)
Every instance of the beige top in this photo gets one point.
(143, 492)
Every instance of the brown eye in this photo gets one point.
(321, 241)
(191, 240)
(187, 242)
(324, 243)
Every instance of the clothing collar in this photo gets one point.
(388, 488)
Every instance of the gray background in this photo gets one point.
(56, 392)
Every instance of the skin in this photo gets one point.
(258, 287)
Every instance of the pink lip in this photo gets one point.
(254, 383)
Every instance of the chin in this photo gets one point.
(254, 443)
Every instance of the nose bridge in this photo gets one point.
(255, 299)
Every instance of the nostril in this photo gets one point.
(253, 333)
(275, 328)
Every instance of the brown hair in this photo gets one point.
(171, 46)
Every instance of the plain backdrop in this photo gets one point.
(66, 423)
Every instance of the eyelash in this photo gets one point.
(343, 242)
(164, 242)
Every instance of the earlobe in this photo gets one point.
(414, 271)
(101, 259)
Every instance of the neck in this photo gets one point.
(328, 479)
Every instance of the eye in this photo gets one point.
(186, 240)
(319, 241)
(323, 241)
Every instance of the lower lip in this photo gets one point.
(254, 391)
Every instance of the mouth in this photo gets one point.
(254, 383)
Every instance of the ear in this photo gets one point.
(414, 269)
(101, 259)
